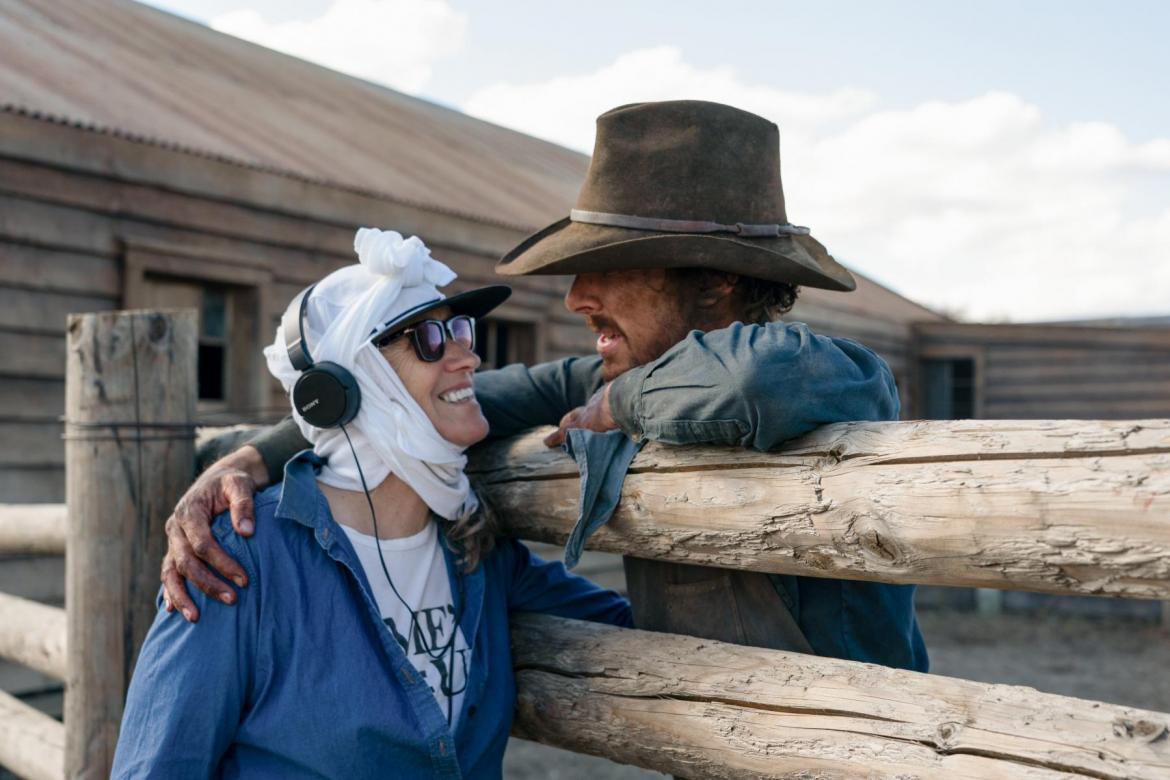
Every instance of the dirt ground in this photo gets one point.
(1119, 661)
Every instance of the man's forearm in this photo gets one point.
(271, 449)
(517, 398)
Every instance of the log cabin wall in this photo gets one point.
(90, 220)
(1053, 371)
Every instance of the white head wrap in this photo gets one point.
(391, 433)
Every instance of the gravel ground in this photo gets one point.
(1118, 661)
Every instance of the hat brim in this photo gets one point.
(567, 247)
(475, 303)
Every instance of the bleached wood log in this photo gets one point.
(1073, 506)
(33, 634)
(32, 745)
(32, 529)
(705, 709)
(130, 390)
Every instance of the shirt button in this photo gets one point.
(407, 676)
(471, 711)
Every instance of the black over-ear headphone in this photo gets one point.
(326, 395)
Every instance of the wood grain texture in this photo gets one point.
(1077, 507)
(31, 743)
(33, 634)
(32, 529)
(123, 370)
(705, 709)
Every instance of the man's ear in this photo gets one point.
(715, 287)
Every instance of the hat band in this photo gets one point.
(685, 225)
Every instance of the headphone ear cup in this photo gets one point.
(326, 395)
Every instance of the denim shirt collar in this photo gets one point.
(299, 494)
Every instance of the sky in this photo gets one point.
(997, 161)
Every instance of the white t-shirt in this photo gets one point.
(419, 571)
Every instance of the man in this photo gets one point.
(678, 237)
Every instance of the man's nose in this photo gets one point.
(582, 296)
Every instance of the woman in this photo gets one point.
(366, 645)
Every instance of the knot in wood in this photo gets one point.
(158, 328)
(948, 733)
(1140, 730)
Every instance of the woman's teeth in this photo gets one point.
(455, 396)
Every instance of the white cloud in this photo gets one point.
(979, 205)
(563, 109)
(392, 42)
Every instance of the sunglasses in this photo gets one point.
(429, 337)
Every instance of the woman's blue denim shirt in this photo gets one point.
(301, 678)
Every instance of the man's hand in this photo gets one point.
(595, 415)
(229, 483)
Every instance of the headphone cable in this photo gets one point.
(450, 646)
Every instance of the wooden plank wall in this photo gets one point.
(74, 203)
(1059, 371)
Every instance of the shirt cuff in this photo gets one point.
(277, 445)
(625, 400)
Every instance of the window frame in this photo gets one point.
(246, 285)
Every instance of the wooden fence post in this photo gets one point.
(130, 390)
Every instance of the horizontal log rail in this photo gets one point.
(31, 743)
(1065, 506)
(32, 529)
(33, 634)
(704, 709)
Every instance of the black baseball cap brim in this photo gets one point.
(475, 303)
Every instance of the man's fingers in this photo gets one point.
(175, 591)
(204, 548)
(177, 594)
(557, 437)
(201, 577)
(239, 490)
(186, 551)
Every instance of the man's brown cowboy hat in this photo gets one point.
(681, 184)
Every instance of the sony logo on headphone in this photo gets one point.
(310, 405)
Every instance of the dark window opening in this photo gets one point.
(213, 345)
(501, 342)
(211, 372)
(948, 389)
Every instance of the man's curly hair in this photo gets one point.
(763, 301)
(758, 301)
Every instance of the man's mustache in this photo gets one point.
(602, 323)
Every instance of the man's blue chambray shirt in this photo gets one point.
(301, 678)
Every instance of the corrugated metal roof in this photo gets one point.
(123, 67)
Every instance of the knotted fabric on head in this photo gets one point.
(391, 433)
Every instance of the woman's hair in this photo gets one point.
(471, 538)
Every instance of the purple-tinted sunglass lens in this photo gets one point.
(463, 331)
(430, 338)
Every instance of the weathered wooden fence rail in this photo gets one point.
(706, 709)
(32, 529)
(1076, 507)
